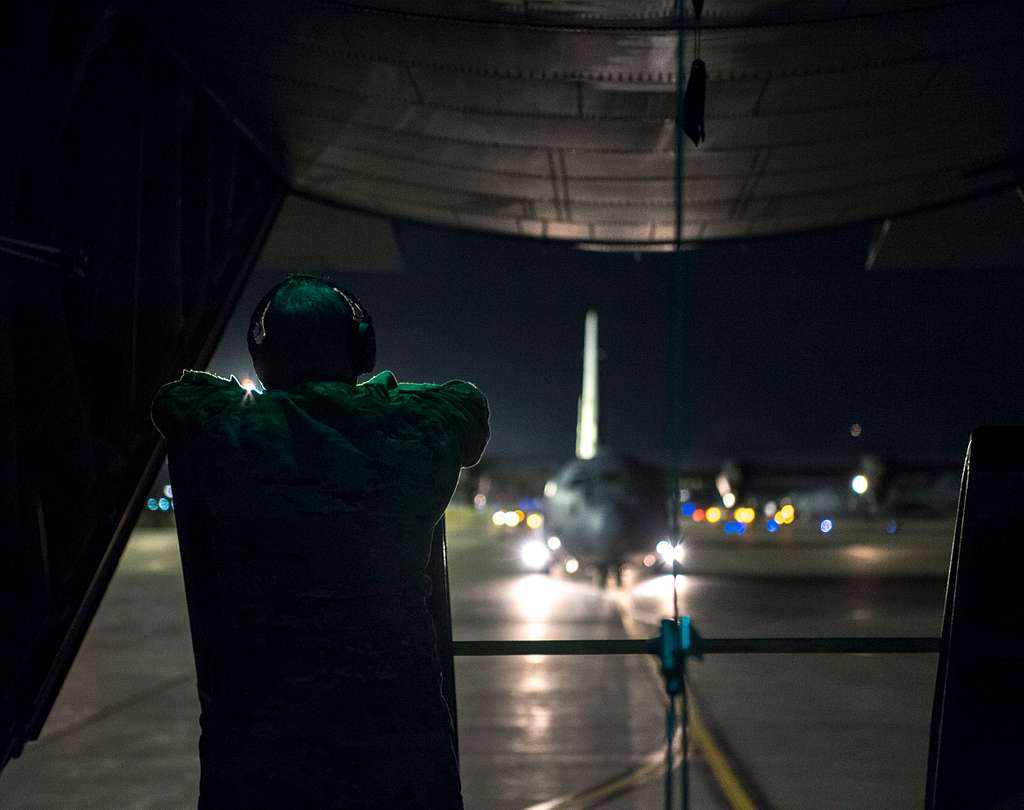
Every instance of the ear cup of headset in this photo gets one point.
(365, 356)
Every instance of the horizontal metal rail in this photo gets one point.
(640, 646)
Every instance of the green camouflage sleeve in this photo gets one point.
(467, 412)
(180, 407)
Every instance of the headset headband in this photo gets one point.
(259, 330)
(364, 347)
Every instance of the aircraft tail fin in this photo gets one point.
(587, 437)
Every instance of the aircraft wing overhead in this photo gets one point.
(555, 119)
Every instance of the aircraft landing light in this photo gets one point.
(667, 552)
(535, 554)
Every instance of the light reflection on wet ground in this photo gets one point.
(822, 731)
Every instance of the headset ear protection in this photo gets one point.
(362, 340)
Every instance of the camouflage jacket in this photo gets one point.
(305, 519)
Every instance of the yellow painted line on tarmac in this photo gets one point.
(726, 777)
(728, 781)
(653, 764)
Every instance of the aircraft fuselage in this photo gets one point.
(607, 508)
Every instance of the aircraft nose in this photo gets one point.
(609, 520)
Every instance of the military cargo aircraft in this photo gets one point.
(604, 506)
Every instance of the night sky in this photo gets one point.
(788, 341)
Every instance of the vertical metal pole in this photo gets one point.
(675, 315)
(685, 775)
(676, 377)
(440, 607)
(670, 733)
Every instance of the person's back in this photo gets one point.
(305, 515)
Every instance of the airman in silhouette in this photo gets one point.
(305, 514)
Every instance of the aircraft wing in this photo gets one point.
(555, 119)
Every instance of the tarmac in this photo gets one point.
(540, 732)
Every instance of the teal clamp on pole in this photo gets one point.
(678, 641)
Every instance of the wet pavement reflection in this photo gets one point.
(821, 731)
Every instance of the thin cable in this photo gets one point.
(685, 741)
(674, 381)
(670, 732)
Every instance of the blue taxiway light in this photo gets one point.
(689, 508)
(735, 527)
(771, 526)
(825, 526)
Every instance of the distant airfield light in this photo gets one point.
(513, 519)
(248, 384)
(855, 429)
(892, 527)
(745, 514)
(713, 514)
(786, 514)
(859, 484)
(771, 526)
(498, 518)
(684, 495)
(698, 515)
(535, 554)
(168, 491)
(535, 520)
(770, 508)
(649, 560)
(572, 565)
(550, 489)
(479, 501)
(554, 543)
(722, 484)
(729, 500)
(825, 526)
